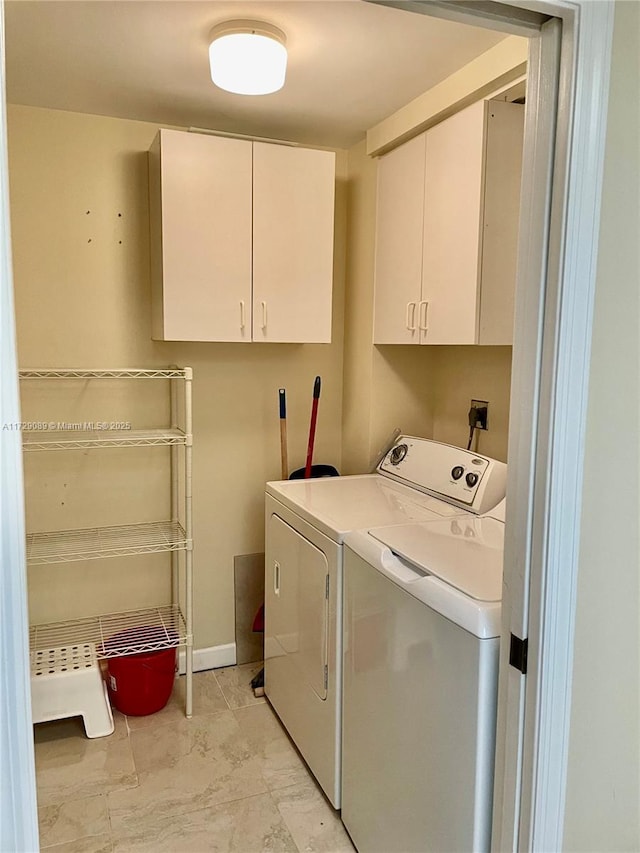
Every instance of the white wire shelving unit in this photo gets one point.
(113, 635)
(73, 439)
(65, 546)
(132, 632)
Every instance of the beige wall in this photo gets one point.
(358, 310)
(464, 373)
(83, 300)
(484, 76)
(403, 378)
(603, 791)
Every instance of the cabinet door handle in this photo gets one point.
(276, 577)
(422, 317)
(411, 316)
(264, 315)
(242, 313)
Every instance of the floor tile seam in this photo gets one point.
(194, 719)
(121, 833)
(51, 848)
(287, 787)
(335, 814)
(77, 800)
(193, 753)
(283, 817)
(109, 814)
(253, 704)
(215, 675)
(245, 707)
(75, 797)
(74, 839)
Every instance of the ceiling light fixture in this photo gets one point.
(248, 57)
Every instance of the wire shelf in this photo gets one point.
(167, 373)
(65, 546)
(109, 636)
(73, 439)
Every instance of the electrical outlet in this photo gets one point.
(481, 413)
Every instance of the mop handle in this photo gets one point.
(312, 427)
(282, 397)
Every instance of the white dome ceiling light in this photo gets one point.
(248, 57)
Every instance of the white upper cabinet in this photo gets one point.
(293, 204)
(399, 229)
(447, 231)
(201, 209)
(242, 240)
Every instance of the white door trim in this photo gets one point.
(546, 447)
(535, 217)
(557, 499)
(550, 408)
(18, 807)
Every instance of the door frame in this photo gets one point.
(565, 129)
(546, 493)
(18, 804)
(585, 35)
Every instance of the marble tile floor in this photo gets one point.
(229, 779)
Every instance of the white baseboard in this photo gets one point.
(211, 658)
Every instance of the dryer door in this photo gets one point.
(297, 605)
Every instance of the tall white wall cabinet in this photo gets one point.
(60, 648)
(447, 231)
(242, 239)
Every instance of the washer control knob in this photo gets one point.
(472, 478)
(457, 472)
(398, 453)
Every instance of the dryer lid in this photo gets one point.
(465, 552)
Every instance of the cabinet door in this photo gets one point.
(293, 208)
(453, 202)
(398, 270)
(202, 291)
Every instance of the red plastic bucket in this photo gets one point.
(140, 684)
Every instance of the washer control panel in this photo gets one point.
(450, 473)
(397, 453)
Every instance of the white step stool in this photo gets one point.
(67, 682)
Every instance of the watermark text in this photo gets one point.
(65, 426)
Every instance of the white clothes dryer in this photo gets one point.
(306, 524)
(421, 641)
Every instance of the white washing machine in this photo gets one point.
(306, 523)
(421, 642)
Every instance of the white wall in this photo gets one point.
(603, 790)
(83, 300)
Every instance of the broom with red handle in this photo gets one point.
(312, 426)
